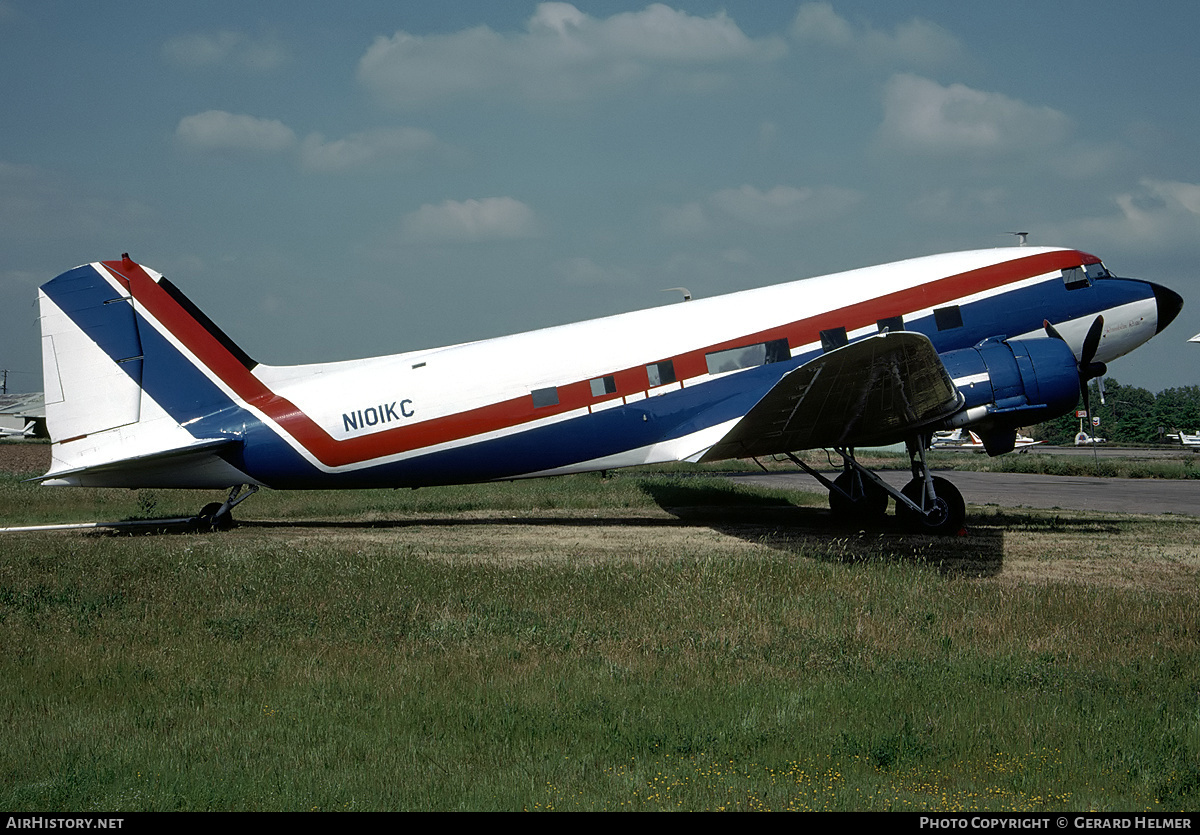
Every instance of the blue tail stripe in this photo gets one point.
(98, 310)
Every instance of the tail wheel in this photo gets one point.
(869, 502)
(947, 514)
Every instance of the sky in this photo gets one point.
(330, 181)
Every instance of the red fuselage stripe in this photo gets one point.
(330, 452)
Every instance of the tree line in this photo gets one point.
(1129, 415)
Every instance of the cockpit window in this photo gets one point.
(1075, 277)
(1083, 276)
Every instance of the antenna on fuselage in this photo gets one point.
(1021, 236)
(687, 294)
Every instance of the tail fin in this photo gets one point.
(91, 353)
(99, 358)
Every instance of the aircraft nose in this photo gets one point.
(1169, 304)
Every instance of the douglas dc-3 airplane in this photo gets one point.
(143, 390)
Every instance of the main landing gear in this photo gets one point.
(927, 503)
(217, 516)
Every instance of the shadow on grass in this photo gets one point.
(765, 519)
(814, 532)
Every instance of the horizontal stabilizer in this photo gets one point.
(159, 468)
(872, 392)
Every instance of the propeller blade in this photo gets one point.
(1087, 368)
(1093, 370)
(1091, 342)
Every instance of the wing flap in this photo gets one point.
(872, 392)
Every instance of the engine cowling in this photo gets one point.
(1012, 383)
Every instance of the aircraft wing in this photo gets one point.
(869, 393)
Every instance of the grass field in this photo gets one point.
(634, 642)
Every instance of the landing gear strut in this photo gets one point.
(217, 516)
(854, 495)
(928, 503)
(933, 504)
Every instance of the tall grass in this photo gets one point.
(1185, 466)
(527, 646)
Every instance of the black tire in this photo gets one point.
(947, 515)
(870, 506)
(208, 520)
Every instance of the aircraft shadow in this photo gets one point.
(777, 523)
(814, 532)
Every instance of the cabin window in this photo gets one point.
(1094, 271)
(603, 385)
(891, 324)
(545, 397)
(833, 339)
(660, 373)
(748, 356)
(948, 318)
(1076, 277)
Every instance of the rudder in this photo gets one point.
(91, 353)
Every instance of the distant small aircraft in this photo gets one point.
(1188, 440)
(1082, 438)
(17, 433)
(143, 390)
(965, 439)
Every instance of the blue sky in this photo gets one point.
(330, 181)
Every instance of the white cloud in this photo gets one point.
(223, 49)
(221, 131)
(922, 115)
(584, 272)
(781, 207)
(1185, 196)
(917, 42)
(1159, 214)
(470, 221)
(564, 54)
(361, 149)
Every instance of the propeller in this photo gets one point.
(1086, 364)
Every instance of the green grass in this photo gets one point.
(569, 645)
(24, 503)
(1184, 466)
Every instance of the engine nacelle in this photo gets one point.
(1014, 383)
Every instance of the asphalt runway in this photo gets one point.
(1105, 495)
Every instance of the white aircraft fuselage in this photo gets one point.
(142, 390)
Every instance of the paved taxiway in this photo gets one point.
(1105, 495)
